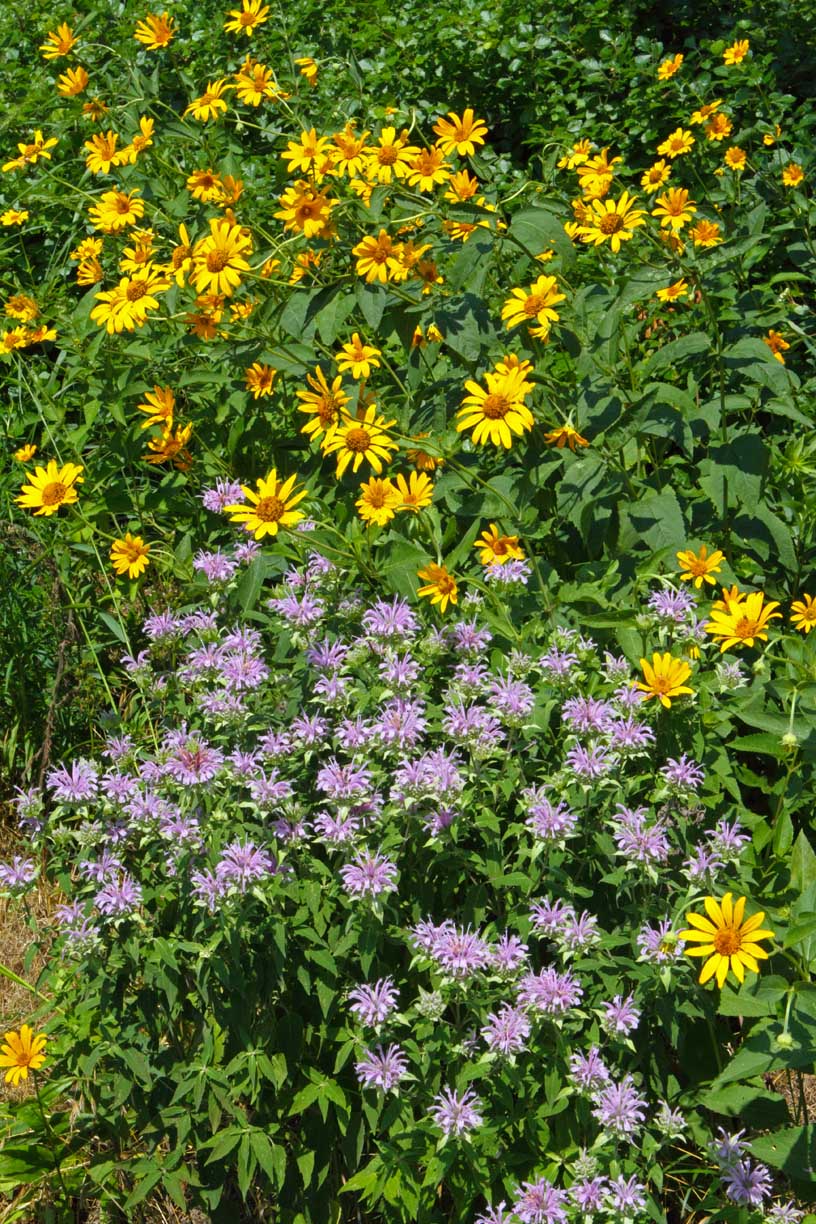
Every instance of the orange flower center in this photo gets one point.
(534, 303)
(53, 494)
(610, 223)
(270, 509)
(746, 628)
(135, 290)
(217, 261)
(496, 407)
(181, 254)
(387, 155)
(122, 205)
(358, 440)
(445, 584)
(376, 497)
(727, 941)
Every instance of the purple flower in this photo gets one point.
(472, 726)
(270, 789)
(78, 929)
(459, 951)
(75, 785)
(369, 875)
(101, 869)
(540, 1202)
(241, 864)
(588, 1194)
(784, 1213)
(586, 714)
(728, 1149)
(579, 931)
(247, 552)
(382, 1068)
(468, 638)
(683, 772)
(208, 889)
(703, 862)
(728, 840)
(620, 1108)
(117, 747)
(549, 991)
(558, 663)
(242, 669)
(497, 1215)
(549, 917)
(18, 874)
(655, 945)
(275, 744)
(747, 1184)
(615, 666)
(509, 953)
(401, 722)
(161, 625)
(390, 620)
(670, 1122)
(454, 1113)
(372, 1005)
(621, 1016)
(336, 830)
(215, 566)
(588, 1072)
(327, 656)
(629, 735)
(637, 841)
(506, 1031)
(304, 612)
(399, 671)
(193, 760)
(515, 572)
(226, 493)
(308, 729)
(627, 1197)
(119, 897)
(591, 762)
(672, 606)
(343, 781)
(513, 699)
(470, 678)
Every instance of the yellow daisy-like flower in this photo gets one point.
(252, 13)
(421, 459)
(211, 103)
(323, 403)
(673, 292)
(611, 221)
(117, 210)
(705, 233)
(254, 82)
(596, 173)
(777, 343)
(730, 596)
(427, 169)
(729, 940)
(440, 586)
(259, 379)
(171, 447)
(357, 358)
(792, 175)
(358, 438)
(20, 1051)
(158, 406)
(50, 487)
(378, 501)
(578, 154)
(654, 178)
(130, 555)
(743, 622)
(699, 567)
(669, 67)
(155, 32)
(58, 42)
(102, 152)
(220, 258)
(495, 412)
(718, 127)
(415, 493)
(674, 208)
(305, 209)
(270, 508)
(390, 157)
(21, 306)
(495, 549)
(303, 154)
(308, 69)
(737, 52)
(27, 452)
(534, 304)
(379, 259)
(14, 216)
(460, 135)
(664, 678)
(770, 138)
(126, 307)
(803, 612)
(565, 435)
(736, 158)
(31, 153)
(72, 83)
(705, 112)
(204, 185)
(349, 151)
(679, 142)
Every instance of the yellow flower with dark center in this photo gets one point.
(705, 112)
(220, 258)
(155, 32)
(390, 157)
(679, 142)
(140, 253)
(730, 596)
(744, 622)
(305, 153)
(654, 178)
(495, 412)
(460, 134)
(323, 403)
(705, 233)
(305, 209)
(254, 82)
(58, 42)
(102, 152)
(421, 459)
(596, 173)
(669, 67)
(211, 103)
(674, 208)
(718, 127)
(362, 437)
(271, 506)
(126, 307)
(27, 452)
(378, 501)
(22, 1050)
(72, 82)
(735, 158)
(130, 555)
(50, 487)
(427, 271)
(259, 379)
(158, 406)
(21, 306)
(379, 259)
(89, 272)
(171, 447)
(803, 612)
(565, 435)
(308, 69)
(349, 151)
(777, 343)
(792, 175)
(357, 358)
(117, 210)
(427, 169)
(461, 187)
(95, 110)
(664, 678)
(141, 141)
(674, 291)
(440, 586)
(611, 221)
(14, 216)
(245, 20)
(495, 549)
(534, 304)
(727, 938)
(415, 493)
(32, 152)
(699, 567)
(204, 185)
(737, 52)
(578, 154)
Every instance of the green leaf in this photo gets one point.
(800, 931)
(792, 1150)
(654, 522)
(270, 1156)
(671, 354)
(803, 863)
(371, 299)
(538, 229)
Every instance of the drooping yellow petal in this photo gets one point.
(710, 968)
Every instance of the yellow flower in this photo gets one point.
(14, 216)
(323, 403)
(776, 342)
(308, 68)
(378, 259)
(414, 493)
(792, 175)
(303, 154)
(727, 940)
(31, 153)
(130, 555)
(679, 142)
(155, 32)
(428, 168)
(742, 622)
(498, 411)
(357, 358)
(698, 567)
(254, 82)
(378, 501)
(349, 151)
(211, 103)
(270, 508)
(362, 437)
(576, 157)
(460, 135)
(495, 549)
(390, 157)
(705, 233)
(770, 138)
(102, 152)
(803, 611)
(461, 187)
(89, 272)
(654, 178)
(22, 1050)
(171, 447)
(259, 379)
(27, 452)
(21, 306)
(158, 406)
(95, 110)
(140, 253)
(141, 141)
(737, 52)
(244, 20)
(668, 68)
(664, 678)
(305, 209)
(672, 292)
(126, 307)
(535, 303)
(730, 597)
(421, 460)
(718, 128)
(735, 158)
(58, 42)
(705, 112)
(611, 221)
(565, 435)
(219, 259)
(50, 487)
(596, 173)
(204, 185)
(440, 586)
(72, 82)
(674, 208)
(117, 210)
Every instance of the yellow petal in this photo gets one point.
(701, 923)
(727, 910)
(710, 968)
(722, 971)
(737, 969)
(714, 912)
